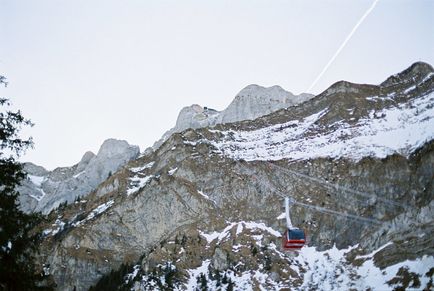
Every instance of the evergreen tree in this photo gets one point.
(230, 286)
(17, 242)
(203, 282)
(217, 277)
(225, 279)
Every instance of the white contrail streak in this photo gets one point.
(343, 44)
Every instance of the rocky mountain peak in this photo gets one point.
(415, 73)
(87, 157)
(45, 190)
(258, 92)
(342, 87)
(251, 102)
(112, 147)
(254, 101)
(195, 116)
(35, 169)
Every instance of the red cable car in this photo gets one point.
(293, 239)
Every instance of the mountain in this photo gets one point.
(204, 209)
(251, 102)
(66, 184)
(45, 190)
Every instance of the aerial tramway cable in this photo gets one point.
(339, 187)
(288, 218)
(323, 209)
(330, 211)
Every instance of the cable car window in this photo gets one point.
(295, 234)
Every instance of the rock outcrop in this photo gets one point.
(255, 101)
(44, 190)
(250, 103)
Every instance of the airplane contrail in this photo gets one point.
(343, 44)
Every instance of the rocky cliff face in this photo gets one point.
(250, 103)
(255, 101)
(205, 208)
(45, 190)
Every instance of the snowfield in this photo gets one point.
(329, 270)
(400, 129)
(226, 232)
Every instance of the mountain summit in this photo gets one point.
(44, 190)
(251, 102)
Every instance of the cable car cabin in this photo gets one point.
(293, 239)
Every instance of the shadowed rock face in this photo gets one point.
(44, 190)
(204, 199)
(250, 103)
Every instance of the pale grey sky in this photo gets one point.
(85, 71)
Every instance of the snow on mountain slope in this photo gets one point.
(331, 270)
(255, 260)
(399, 129)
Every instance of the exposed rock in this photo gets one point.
(87, 157)
(250, 103)
(49, 189)
(275, 276)
(35, 170)
(220, 260)
(255, 101)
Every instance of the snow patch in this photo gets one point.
(409, 89)
(59, 226)
(427, 77)
(130, 276)
(37, 180)
(139, 169)
(95, 212)
(79, 174)
(38, 197)
(370, 255)
(240, 225)
(172, 171)
(209, 236)
(281, 216)
(136, 183)
(205, 196)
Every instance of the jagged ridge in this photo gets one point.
(45, 190)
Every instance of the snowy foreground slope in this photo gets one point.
(205, 208)
(308, 269)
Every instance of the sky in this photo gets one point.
(84, 71)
